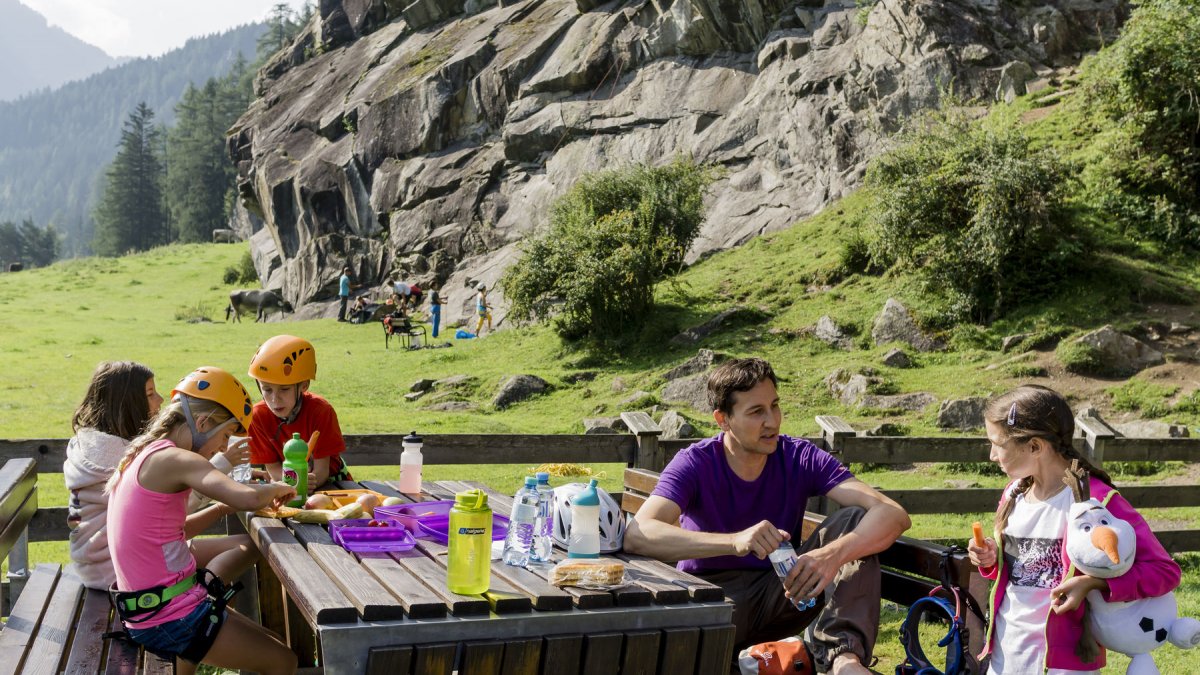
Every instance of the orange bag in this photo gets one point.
(776, 658)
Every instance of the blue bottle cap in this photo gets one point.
(543, 477)
(530, 481)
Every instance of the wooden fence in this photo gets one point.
(643, 449)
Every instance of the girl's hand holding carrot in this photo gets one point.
(981, 550)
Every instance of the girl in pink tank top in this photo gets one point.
(166, 581)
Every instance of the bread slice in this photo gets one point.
(281, 512)
(588, 574)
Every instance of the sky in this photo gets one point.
(149, 27)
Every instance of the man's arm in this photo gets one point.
(884, 521)
(655, 532)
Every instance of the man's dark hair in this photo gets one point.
(734, 376)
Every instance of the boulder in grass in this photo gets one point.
(827, 331)
(1120, 354)
(894, 324)
(897, 358)
(691, 391)
(700, 363)
(963, 413)
(599, 425)
(675, 426)
(518, 388)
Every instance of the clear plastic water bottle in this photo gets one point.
(543, 531)
(783, 559)
(521, 524)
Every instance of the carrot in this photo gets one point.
(977, 529)
(312, 443)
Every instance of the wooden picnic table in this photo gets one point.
(392, 613)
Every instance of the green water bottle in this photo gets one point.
(469, 567)
(295, 468)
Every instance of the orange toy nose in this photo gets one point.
(1105, 539)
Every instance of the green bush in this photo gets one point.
(242, 273)
(977, 213)
(1080, 358)
(1148, 84)
(1149, 398)
(612, 237)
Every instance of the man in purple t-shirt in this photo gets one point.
(724, 504)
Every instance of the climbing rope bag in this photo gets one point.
(945, 602)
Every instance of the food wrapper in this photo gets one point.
(281, 512)
(590, 573)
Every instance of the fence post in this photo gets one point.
(834, 432)
(648, 454)
(1095, 436)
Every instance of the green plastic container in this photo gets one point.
(295, 468)
(468, 568)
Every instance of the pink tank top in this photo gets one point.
(147, 542)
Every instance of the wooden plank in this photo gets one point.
(370, 450)
(545, 598)
(435, 659)
(1096, 435)
(602, 654)
(501, 596)
(418, 601)
(641, 653)
(271, 611)
(716, 650)
(1152, 449)
(631, 502)
(698, 589)
(12, 530)
(640, 480)
(54, 631)
(521, 657)
(49, 454)
(662, 591)
(153, 664)
(562, 654)
(905, 589)
(1178, 541)
(984, 500)
(49, 523)
(316, 596)
(87, 649)
(433, 575)
(640, 424)
(389, 660)
(372, 600)
(679, 649)
(20, 630)
(905, 449)
(299, 634)
(832, 425)
(18, 479)
(482, 658)
(123, 656)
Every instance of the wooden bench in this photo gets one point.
(911, 567)
(56, 625)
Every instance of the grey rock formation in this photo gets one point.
(897, 358)
(894, 324)
(518, 388)
(638, 399)
(600, 425)
(423, 384)
(431, 136)
(913, 402)
(675, 426)
(695, 334)
(414, 395)
(700, 363)
(1011, 342)
(455, 381)
(1151, 429)
(827, 331)
(1012, 81)
(963, 413)
(691, 391)
(1121, 353)
(452, 406)
(884, 429)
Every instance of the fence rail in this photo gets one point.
(642, 448)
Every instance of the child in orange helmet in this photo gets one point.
(283, 367)
(171, 592)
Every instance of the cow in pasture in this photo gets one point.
(15, 267)
(224, 236)
(261, 301)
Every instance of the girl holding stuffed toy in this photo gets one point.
(1038, 598)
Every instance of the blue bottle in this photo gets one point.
(543, 531)
(521, 524)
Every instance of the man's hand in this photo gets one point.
(760, 539)
(1071, 593)
(982, 556)
(812, 573)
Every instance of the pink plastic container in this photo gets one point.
(355, 535)
(438, 527)
(432, 519)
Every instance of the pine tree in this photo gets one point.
(130, 214)
(282, 26)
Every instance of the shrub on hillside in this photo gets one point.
(242, 273)
(977, 213)
(1148, 83)
(1081, 358)
(612, 237)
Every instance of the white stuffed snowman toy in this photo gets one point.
(1103, 546)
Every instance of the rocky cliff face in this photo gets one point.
(430, 137)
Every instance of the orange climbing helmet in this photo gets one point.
(284, 359)
(219, 386)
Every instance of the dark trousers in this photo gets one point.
(845, 618)
(342, 307)
(435, 315)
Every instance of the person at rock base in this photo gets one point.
(344, 287)
(435, 308)
(169, 590)
(724, 504)
(482, 309)
(1038, 598)
(284, 367)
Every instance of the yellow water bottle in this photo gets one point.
(469, 564)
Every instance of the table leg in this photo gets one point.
(300, 637)
(270, 599)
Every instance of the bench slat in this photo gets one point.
(641, 480)
(562, 654)
(18, 501)
(54, 631)
(699, 590)
(415, 597)
(501, 596)
(680, 646)
(389, 660)
(437, 659)
(19, 633)
(122, 655)
(87, 649)
(521, 657)
(422, 567)
(482, 658)
(602, 654)
(641, 653)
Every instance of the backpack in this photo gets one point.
(959, 660)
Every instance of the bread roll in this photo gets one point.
(590, 573)
(281, 512)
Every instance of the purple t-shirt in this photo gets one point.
(714, 499)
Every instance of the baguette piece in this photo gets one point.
(588, 573)
(281, 512)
